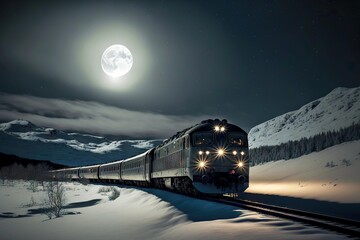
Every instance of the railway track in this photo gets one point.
(344, 226)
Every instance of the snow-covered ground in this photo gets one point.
(331, 175)
(137, 214)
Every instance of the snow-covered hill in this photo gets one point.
(339, 109)
(24, 139)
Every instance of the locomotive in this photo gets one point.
(208, 158)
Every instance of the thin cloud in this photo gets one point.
(91, 117)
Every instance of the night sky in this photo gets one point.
(246, 61)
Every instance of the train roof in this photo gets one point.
(205, 125)
(110, 163)
(90, 166)
(62, 169)
(137, 156)
(209, 126)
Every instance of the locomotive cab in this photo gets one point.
(219, 158)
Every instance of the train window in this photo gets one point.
(203, 139)
(237, 139)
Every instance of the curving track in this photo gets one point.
(340, 225)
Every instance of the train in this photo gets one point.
(211, 157)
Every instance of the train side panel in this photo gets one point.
(65, 174)
(89, 172)
(133, 169)
(110, 171)
(169, 160)
(72, 173)
(148, 164)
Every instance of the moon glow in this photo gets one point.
(116, 61)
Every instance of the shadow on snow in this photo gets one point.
(43, 210)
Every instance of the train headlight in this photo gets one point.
(220, 152)
(242, 153)
(240, 164)
(201, 152)
(234, 152)
(202, 164)
(207, 152)
(218, 128)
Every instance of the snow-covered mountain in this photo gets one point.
(24, 139)
(339, 109)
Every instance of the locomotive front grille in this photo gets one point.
(219, 177)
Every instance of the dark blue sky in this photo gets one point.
(248, 61)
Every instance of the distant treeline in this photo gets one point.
(14, 167)
(294, 149)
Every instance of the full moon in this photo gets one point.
(116, 61)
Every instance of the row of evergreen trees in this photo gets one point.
(25, 172)
(294, 149)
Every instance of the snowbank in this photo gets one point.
(138, 214)
(327, 181)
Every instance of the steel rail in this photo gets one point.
(340, 225)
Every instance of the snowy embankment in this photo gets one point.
(331, 175)
(137, 214)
